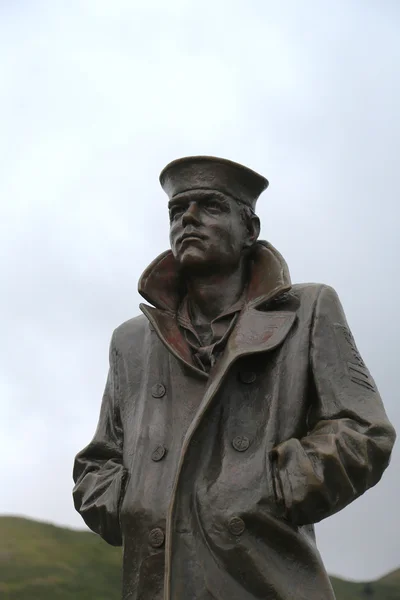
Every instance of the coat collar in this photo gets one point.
(255, 330)
(161, 285)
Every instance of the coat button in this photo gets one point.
(156, 537)
(241, 443)
(158, 453)
(236, 526)
(247, 376)
(158, 390)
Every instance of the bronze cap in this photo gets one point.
(211, 173)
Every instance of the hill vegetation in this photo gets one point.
(39, 561)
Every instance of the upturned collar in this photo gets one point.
(255, 331)
(161, 285)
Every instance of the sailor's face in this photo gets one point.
(207, 231)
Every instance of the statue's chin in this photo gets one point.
(196, 263)
(193, 263)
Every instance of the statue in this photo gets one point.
(237, 412)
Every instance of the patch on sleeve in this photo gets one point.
(361, 376)
(356, 367)
(343, 332)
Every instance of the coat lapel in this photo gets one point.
(170, 334)
(255, 331)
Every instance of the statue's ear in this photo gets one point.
(253, 231)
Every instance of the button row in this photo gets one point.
(240, 443)
(158, 390)
(236, 526)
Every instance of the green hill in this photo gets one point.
(39, 561)
(43, 562)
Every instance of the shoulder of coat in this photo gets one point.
(136, 327)
(309, 292)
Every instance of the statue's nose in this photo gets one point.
(191, 215)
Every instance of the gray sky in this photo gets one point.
(95, 98)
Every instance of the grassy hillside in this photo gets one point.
(376, 590)
(43, 562)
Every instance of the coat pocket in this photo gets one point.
(277, 508)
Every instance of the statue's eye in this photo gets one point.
(212, 205)
(175, 212)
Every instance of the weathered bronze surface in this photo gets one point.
(237, 412)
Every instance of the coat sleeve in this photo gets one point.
(98, 472)
(350, 439)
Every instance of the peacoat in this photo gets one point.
(213, 482)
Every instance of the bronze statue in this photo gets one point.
(237, 412)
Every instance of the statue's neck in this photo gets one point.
(211, 295)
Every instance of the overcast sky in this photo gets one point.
(95, 98)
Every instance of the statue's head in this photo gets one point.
(211, 208)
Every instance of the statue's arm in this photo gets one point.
(98, 471)
(350, 439)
